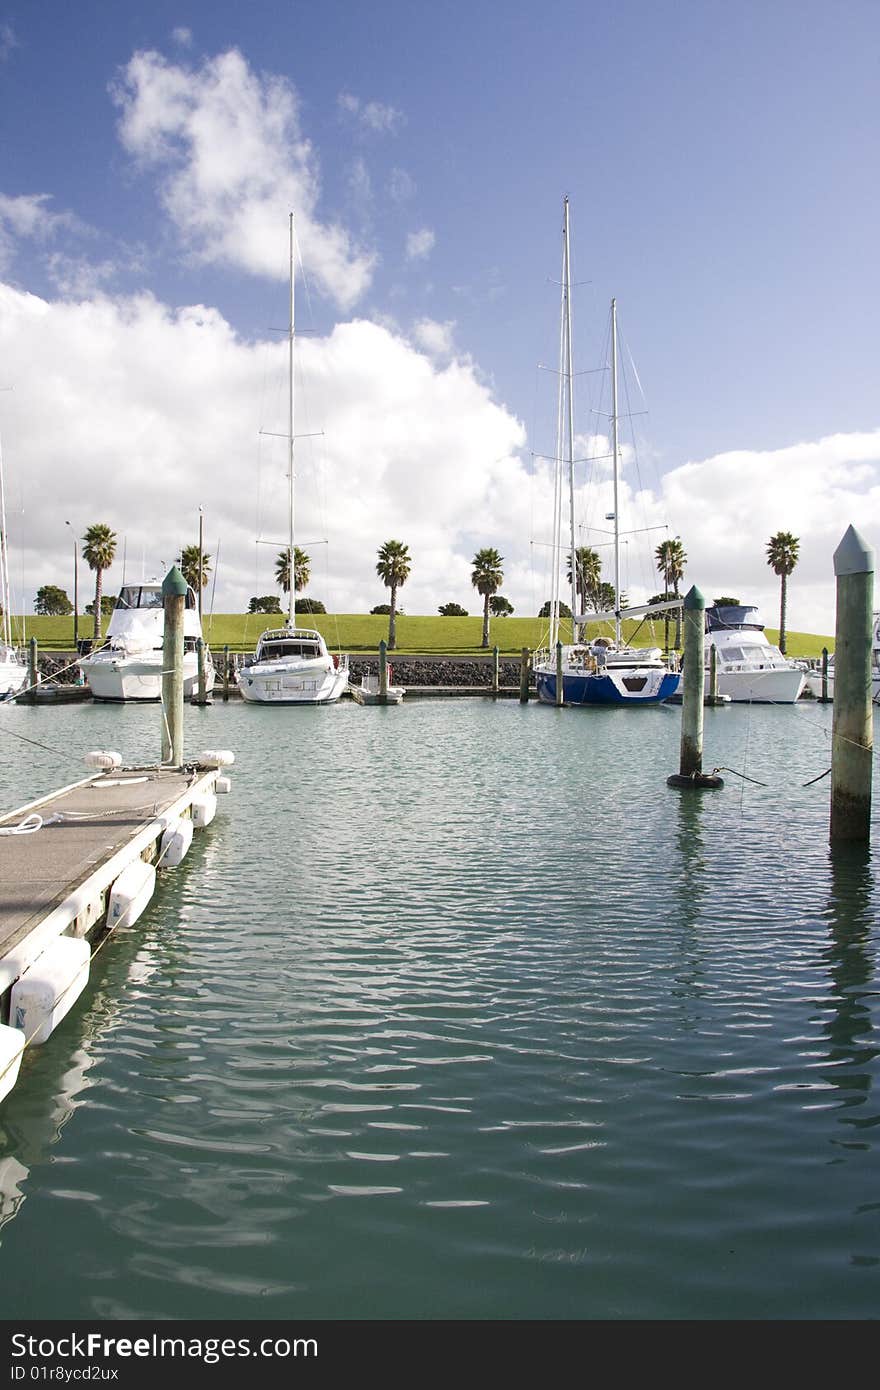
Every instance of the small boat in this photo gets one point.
(750, 668)
(600, 673)
(814, 677)
(813, 681)
(55, 693)
(291, 665)
(129, 665)
(13, 667)
(367, 692)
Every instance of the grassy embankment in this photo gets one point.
(359, 632)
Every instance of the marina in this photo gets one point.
(574, 1045)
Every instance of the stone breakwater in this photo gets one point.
(438, 671)
(449, 671)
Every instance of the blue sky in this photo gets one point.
(721, 166)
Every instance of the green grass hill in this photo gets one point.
(359, 632)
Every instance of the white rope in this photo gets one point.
(28, 826)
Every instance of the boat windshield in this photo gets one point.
(147, 596)
(278, 651)
(727, 616)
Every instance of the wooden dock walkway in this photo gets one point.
(63, 862)
(83, 827)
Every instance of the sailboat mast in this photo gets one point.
(569, 374)
(291, 613)
(560, 427)
(616, 458)
(4, 563)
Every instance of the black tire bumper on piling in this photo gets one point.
(698, 781)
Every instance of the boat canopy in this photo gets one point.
(148, 596)
(728, 616)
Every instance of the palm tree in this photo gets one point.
(189, 567)
(487, 578)
(393, 569)
(782, 556)
(589, 573)
(98, 551)
(302, 569)
(671, 560)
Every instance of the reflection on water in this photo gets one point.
(849, 1027)
(458, 1011)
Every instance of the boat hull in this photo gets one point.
(123, 679)
(780, 686)
(367, 693)
(633, 687)
(13, 675)
(290, 686)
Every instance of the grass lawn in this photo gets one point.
(360, 632)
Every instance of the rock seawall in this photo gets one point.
(437, 671)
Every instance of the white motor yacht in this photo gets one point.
(750, 668)
(129, 665)
(292, 666)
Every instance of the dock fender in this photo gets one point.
(131, 892)
(12, 1042)
(204, 808)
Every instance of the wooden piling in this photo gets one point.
(824, 696)
(383, 669)
(852, 736)
(174, 599)
(690, 768)
(524, 676)
(33, 670)
(226, 672)
(496, 675)
(713, 674)
(202, 681)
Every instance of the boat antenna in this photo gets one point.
(291, 611)
(616, 457)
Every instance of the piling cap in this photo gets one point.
(694, 599)
(174, 584)
(853, 555)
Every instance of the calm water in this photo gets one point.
(456, 1011)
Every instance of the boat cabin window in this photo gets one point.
(727, 616)
(277, 651)
(147, 596)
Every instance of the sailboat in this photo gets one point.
(13, 668)
(597, 673)
(291, 665)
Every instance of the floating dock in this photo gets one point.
(74, 865)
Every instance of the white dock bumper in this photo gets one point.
(11, 1053)
(130, 894)
(175, 843)
(204, 808)
(44, 994)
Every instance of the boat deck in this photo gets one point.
(84, 826)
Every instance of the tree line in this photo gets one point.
(394, 566)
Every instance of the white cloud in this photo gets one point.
(373, 116)
(408, 450)
(120, 404)
(434, 337)
(8, 41)
(182, 36)
(29, 217)
(401, 186)
(232, 162)
(419, 245)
